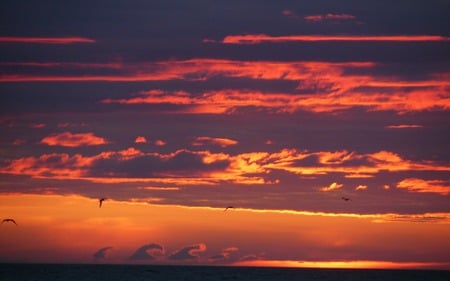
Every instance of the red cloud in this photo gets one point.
(340, 96)
(260, 38)
(73, 140)
(46, 40)
(420, 185)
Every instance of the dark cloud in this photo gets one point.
(143, 252)
(101, 253)
(188, 253)
(184, 163)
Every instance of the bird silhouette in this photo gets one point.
(345, 198)
(9, 220)
(100, 202)
(228, 207)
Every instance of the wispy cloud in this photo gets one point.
(147, 252)
(330, 100)
(260, 38)
(329, 16)
(404, 126)
(224, 255)
(101, 253)
(46, 40)
(205, 167)
(332, 186)
(188, 253)
(419, 185)
(73, 140)
(223, 142)
(361, 187)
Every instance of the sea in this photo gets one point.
(88, 272)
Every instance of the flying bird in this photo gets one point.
(100, 202)
(345, 198)
(9, 220)
(228, 207)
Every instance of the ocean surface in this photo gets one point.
(80, 272)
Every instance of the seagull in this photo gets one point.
(229, 207)
(345, 198)
(100, 202)
(9, 220)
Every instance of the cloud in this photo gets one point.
(46, 40)
(404, 126)
(38, 125)
(140, 139)
(224, 255)
(188, 253)
(323, 17)
(420, 185)
(223, 142)
(160, 143)
(73, 140)
(101, 253)
(143, 252)
(340, 98)
(361, 187)
(332, 186)
(260, 38)
(187, 167)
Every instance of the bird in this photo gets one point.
(228, 207)
(100, 202)
(345, 198)
(9, 220)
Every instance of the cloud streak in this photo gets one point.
(46, 40)
(329, 16)
(429, 186)
(73, 140)
(261, 38)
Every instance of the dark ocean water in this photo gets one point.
(80, 272)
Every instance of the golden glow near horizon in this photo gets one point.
(72, 228)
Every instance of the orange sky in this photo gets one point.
(58, 228)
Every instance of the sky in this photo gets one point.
(324, 125)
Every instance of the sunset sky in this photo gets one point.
(324, 124)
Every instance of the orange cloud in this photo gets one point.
(73, 140)
(227, 101)
(209, 168)
(140, 139)
(260, 38)
(420, 185)
(46, 40)
(361, 187)
(223, 142)
(160, 143)
(332, 186)
(203, 69)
